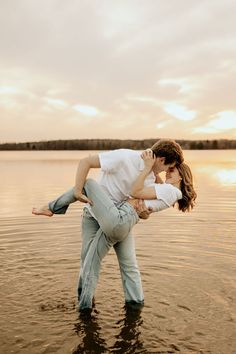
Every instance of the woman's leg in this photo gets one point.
(102, 204)
(115, 222)
(130, 274)
(118, 220)
(58, 205)
(61, 204)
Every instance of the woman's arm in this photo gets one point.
(138, 190)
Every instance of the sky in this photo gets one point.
(127, 69)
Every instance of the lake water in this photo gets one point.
(187, 262)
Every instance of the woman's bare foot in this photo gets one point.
(42, 211)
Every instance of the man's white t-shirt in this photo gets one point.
(119, 170)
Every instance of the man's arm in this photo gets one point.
(141, 209)
(82, 171)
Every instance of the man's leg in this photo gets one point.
(131, 279)
(130, 274)
(91, 265)
(106, 213)
(89, 230)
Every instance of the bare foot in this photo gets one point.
(42, 211)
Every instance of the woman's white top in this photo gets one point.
(166, 195)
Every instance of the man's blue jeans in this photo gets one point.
(111, 227)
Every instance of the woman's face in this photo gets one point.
(172, 175)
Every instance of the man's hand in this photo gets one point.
(142, 211)
(82, 198)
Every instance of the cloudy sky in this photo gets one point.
(117, 69)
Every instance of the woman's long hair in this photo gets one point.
(186, 186)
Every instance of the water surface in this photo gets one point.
(187, 262)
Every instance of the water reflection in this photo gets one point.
(89, 332)
(226, 176)
(128, 340)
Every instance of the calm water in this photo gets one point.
(188, 266)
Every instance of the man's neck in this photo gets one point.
(156, 171)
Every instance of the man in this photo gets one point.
(119, 170)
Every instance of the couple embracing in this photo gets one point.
(129, 188)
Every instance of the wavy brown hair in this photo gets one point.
(186, 186)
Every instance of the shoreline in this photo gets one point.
(112, 144)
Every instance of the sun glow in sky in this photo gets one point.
(117, 69)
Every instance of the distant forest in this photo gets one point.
(111, 144)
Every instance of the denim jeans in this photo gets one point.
(111, 227)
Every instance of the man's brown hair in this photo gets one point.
(170, 150)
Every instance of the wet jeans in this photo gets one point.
(111, 227)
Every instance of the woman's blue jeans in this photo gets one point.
(111, 227)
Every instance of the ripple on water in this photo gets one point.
(187, 263)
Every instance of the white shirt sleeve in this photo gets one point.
(110, 161)
(168, 193)
(156, 204)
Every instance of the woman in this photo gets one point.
(178, 187)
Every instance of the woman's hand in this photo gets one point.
(148, 158)
(138, 190)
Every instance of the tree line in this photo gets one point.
(111, 144)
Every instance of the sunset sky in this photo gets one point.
(117, 69)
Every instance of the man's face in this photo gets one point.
(160, 166)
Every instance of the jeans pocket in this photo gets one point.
(86, 213)
(122, 230)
